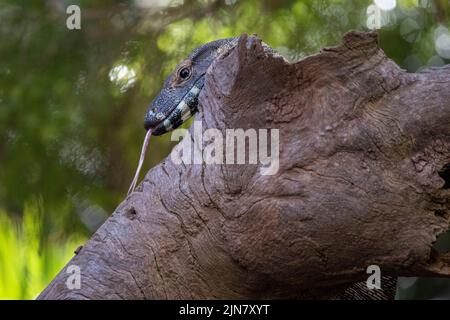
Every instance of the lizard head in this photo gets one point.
(178, 100)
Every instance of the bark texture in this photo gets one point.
(363, 179)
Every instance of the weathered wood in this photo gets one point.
(363, 179)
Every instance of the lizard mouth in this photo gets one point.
(182, 112)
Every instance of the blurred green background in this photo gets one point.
(72, 102)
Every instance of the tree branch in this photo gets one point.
(364, 148)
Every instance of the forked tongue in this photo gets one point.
(141, 161)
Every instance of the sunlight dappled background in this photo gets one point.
(72, 102)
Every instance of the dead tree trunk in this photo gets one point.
(364, 179)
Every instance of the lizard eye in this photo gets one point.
(184, 73)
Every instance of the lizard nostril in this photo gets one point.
(154, 110)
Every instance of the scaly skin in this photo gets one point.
(178, 99)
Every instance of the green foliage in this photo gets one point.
(27, 261)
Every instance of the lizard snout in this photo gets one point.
(153, 118)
